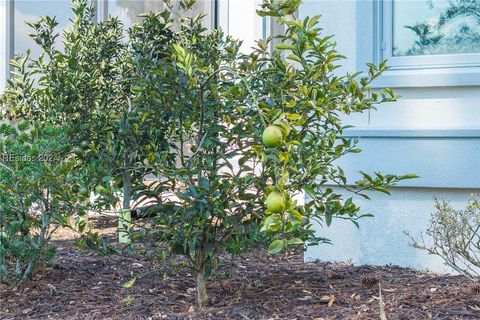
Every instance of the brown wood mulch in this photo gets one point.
(78, 285)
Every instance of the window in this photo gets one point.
(3, 42)
(32, 10)
(236, 17)
(128, 11)
(14, 32)
(428, 43)
(239, 19)
(430, 33)
(440, 27)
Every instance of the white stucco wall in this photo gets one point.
(381, 240)
(431, 131)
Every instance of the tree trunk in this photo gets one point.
(127, 188)
(202, 296)
(125, 216)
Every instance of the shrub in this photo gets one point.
(35, 195)
(88, 86)
(455, 237)
(220, 101)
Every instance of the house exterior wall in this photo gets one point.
(432, 131)
(382, 240)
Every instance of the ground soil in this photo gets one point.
(79, 285)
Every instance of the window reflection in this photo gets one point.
(436, 27)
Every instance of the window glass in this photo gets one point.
(3, 43)
(32, 10)
(129, 10)
(432, 27)
(244, 23)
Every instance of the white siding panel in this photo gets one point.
(433, 131)
(439, 93)
(440, 162)
(430, 113)
(356, 119)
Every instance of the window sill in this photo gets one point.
(438, 77)
(366, 132)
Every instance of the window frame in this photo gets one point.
(9, 41)
(269, 27)
(461, 69)
(459, 60)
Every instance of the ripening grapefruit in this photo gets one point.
(275, 202)
(272, 137)
(284, 126)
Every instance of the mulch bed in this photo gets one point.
(77, 285)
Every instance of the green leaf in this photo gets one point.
(129, 283)
(285, 46)
(382, 189)
(313, 21)
(310, 191)
(409, 176)
(294, 57)
(294, 241)
(275, 247)
(328, 219)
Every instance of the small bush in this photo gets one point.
(34, 193)
(455, 236)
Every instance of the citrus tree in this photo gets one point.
(248, 134)
(301, 98)
(87, 85)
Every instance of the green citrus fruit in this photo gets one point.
(78, 151)
(284, 127)
(272, 137)
(275, 202)
(84, 144)
(84, 192)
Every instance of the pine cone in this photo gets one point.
(370, 281)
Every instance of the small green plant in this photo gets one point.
(35, 195)
(232, 139)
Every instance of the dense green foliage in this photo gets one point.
(34, 194)
(82, 89)
(220, 131)
(219, 102)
